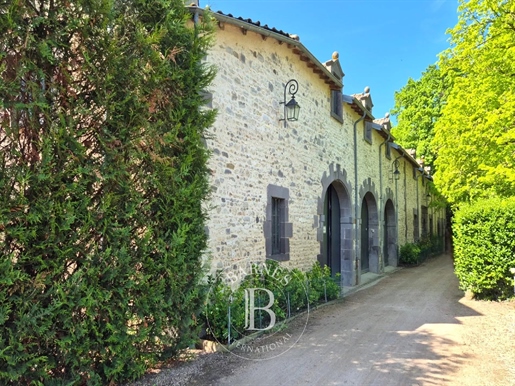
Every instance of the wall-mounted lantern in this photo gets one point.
(428, 199)
(291, 108)
(396, 173)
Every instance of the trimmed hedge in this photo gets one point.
(415, 253)
(102, 176)
(409, 254)
(484, 248)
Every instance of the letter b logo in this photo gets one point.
(250, 308)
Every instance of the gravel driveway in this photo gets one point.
(413, 327)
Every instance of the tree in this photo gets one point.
(102, 176)
(418, 106)
(475, 136)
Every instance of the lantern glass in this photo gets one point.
(292, 110)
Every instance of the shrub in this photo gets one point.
(296, 290)
(102, 175)
(321, 284)
(296, 287)
(415, 253)
(410, 254)
(484, 248)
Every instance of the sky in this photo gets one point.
(381, 43)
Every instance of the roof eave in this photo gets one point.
(297, 47)
(357, 106)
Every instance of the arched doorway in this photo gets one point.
(390, 235)
(369, 253)
(336, 223)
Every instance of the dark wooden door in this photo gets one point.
(386, 238)
(333, 236)
(364, 237)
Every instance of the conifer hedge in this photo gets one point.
(102, 175)
(484, 248)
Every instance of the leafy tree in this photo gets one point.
(475, 136)
(418, 106)
(102, 175)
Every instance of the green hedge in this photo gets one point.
(102, 175)
(409, 254)
(292, 288)
(415, 253)
(484, 248)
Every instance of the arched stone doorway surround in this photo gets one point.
(368, 246)
(335, 224)
(390, 230)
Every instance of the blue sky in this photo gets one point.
(382, 43)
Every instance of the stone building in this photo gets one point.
(332, 186)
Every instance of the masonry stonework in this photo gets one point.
(310, 159)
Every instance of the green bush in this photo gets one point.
(410, 254)
(102, 175)
(415, 253)
(321, 284)
(296, 288)
(484, 248)
(297, 291)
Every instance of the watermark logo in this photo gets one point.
(257, 311)
(250, 309)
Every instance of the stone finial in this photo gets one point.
(385, 122)
(412, 152)
(365, 98)
(294, 37)
(333, 66)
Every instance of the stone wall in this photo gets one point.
(252, 150)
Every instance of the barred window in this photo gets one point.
(276, 225)
(277, 229)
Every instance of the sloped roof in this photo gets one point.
(292, 41)
(257, 24)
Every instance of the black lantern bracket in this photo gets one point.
(291, 108)
(395, 172)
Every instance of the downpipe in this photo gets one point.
(356, 206)
(381, 224)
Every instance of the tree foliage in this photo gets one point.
(461, 113)
(475, 136)
(418, 106)
(102, 175)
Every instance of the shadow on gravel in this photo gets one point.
(406, 330)
(419, 357)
